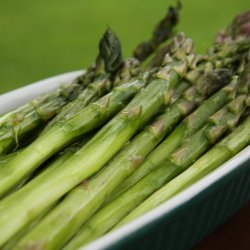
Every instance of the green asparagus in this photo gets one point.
(190, 151)
(23, 123)
(91, 194)
(187, 127)
(94, 115)
(65, 155)
(87, 200)
(123, 137)
(16, 238)
(5, 159)
(216, 156)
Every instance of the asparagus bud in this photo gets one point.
(162, 32)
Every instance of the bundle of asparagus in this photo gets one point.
(122, 138)
(17, 125)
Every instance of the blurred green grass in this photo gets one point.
(45, 38)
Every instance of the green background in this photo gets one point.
(48, 37)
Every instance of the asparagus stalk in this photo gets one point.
(111, 58)
(220, 153)
(84, 163)
(65, 155)
(62, 157)
(67, 91)
(189, 152)
(4, 164)
(66, 132)
(187, 127)
(95, 91)
(83, 201)
(10, 115)
(59, 160)
(16, 238)
(23, 123)
(5, 159)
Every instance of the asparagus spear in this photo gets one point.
(23, 123)
(189, 152)
(58, 161)
(81, 203)
(9, 116)
(221, 152)
(67, 91)
(62, 157)
(16, 238)
(187, 127)
(62, 134)
(5, 159)
(85, 162)
(65, 155)
(94, 91)
(237, 32)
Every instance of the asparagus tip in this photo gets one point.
(110, 51)
(239, 27)
(162, 32)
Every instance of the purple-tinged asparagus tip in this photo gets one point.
(239, 27)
